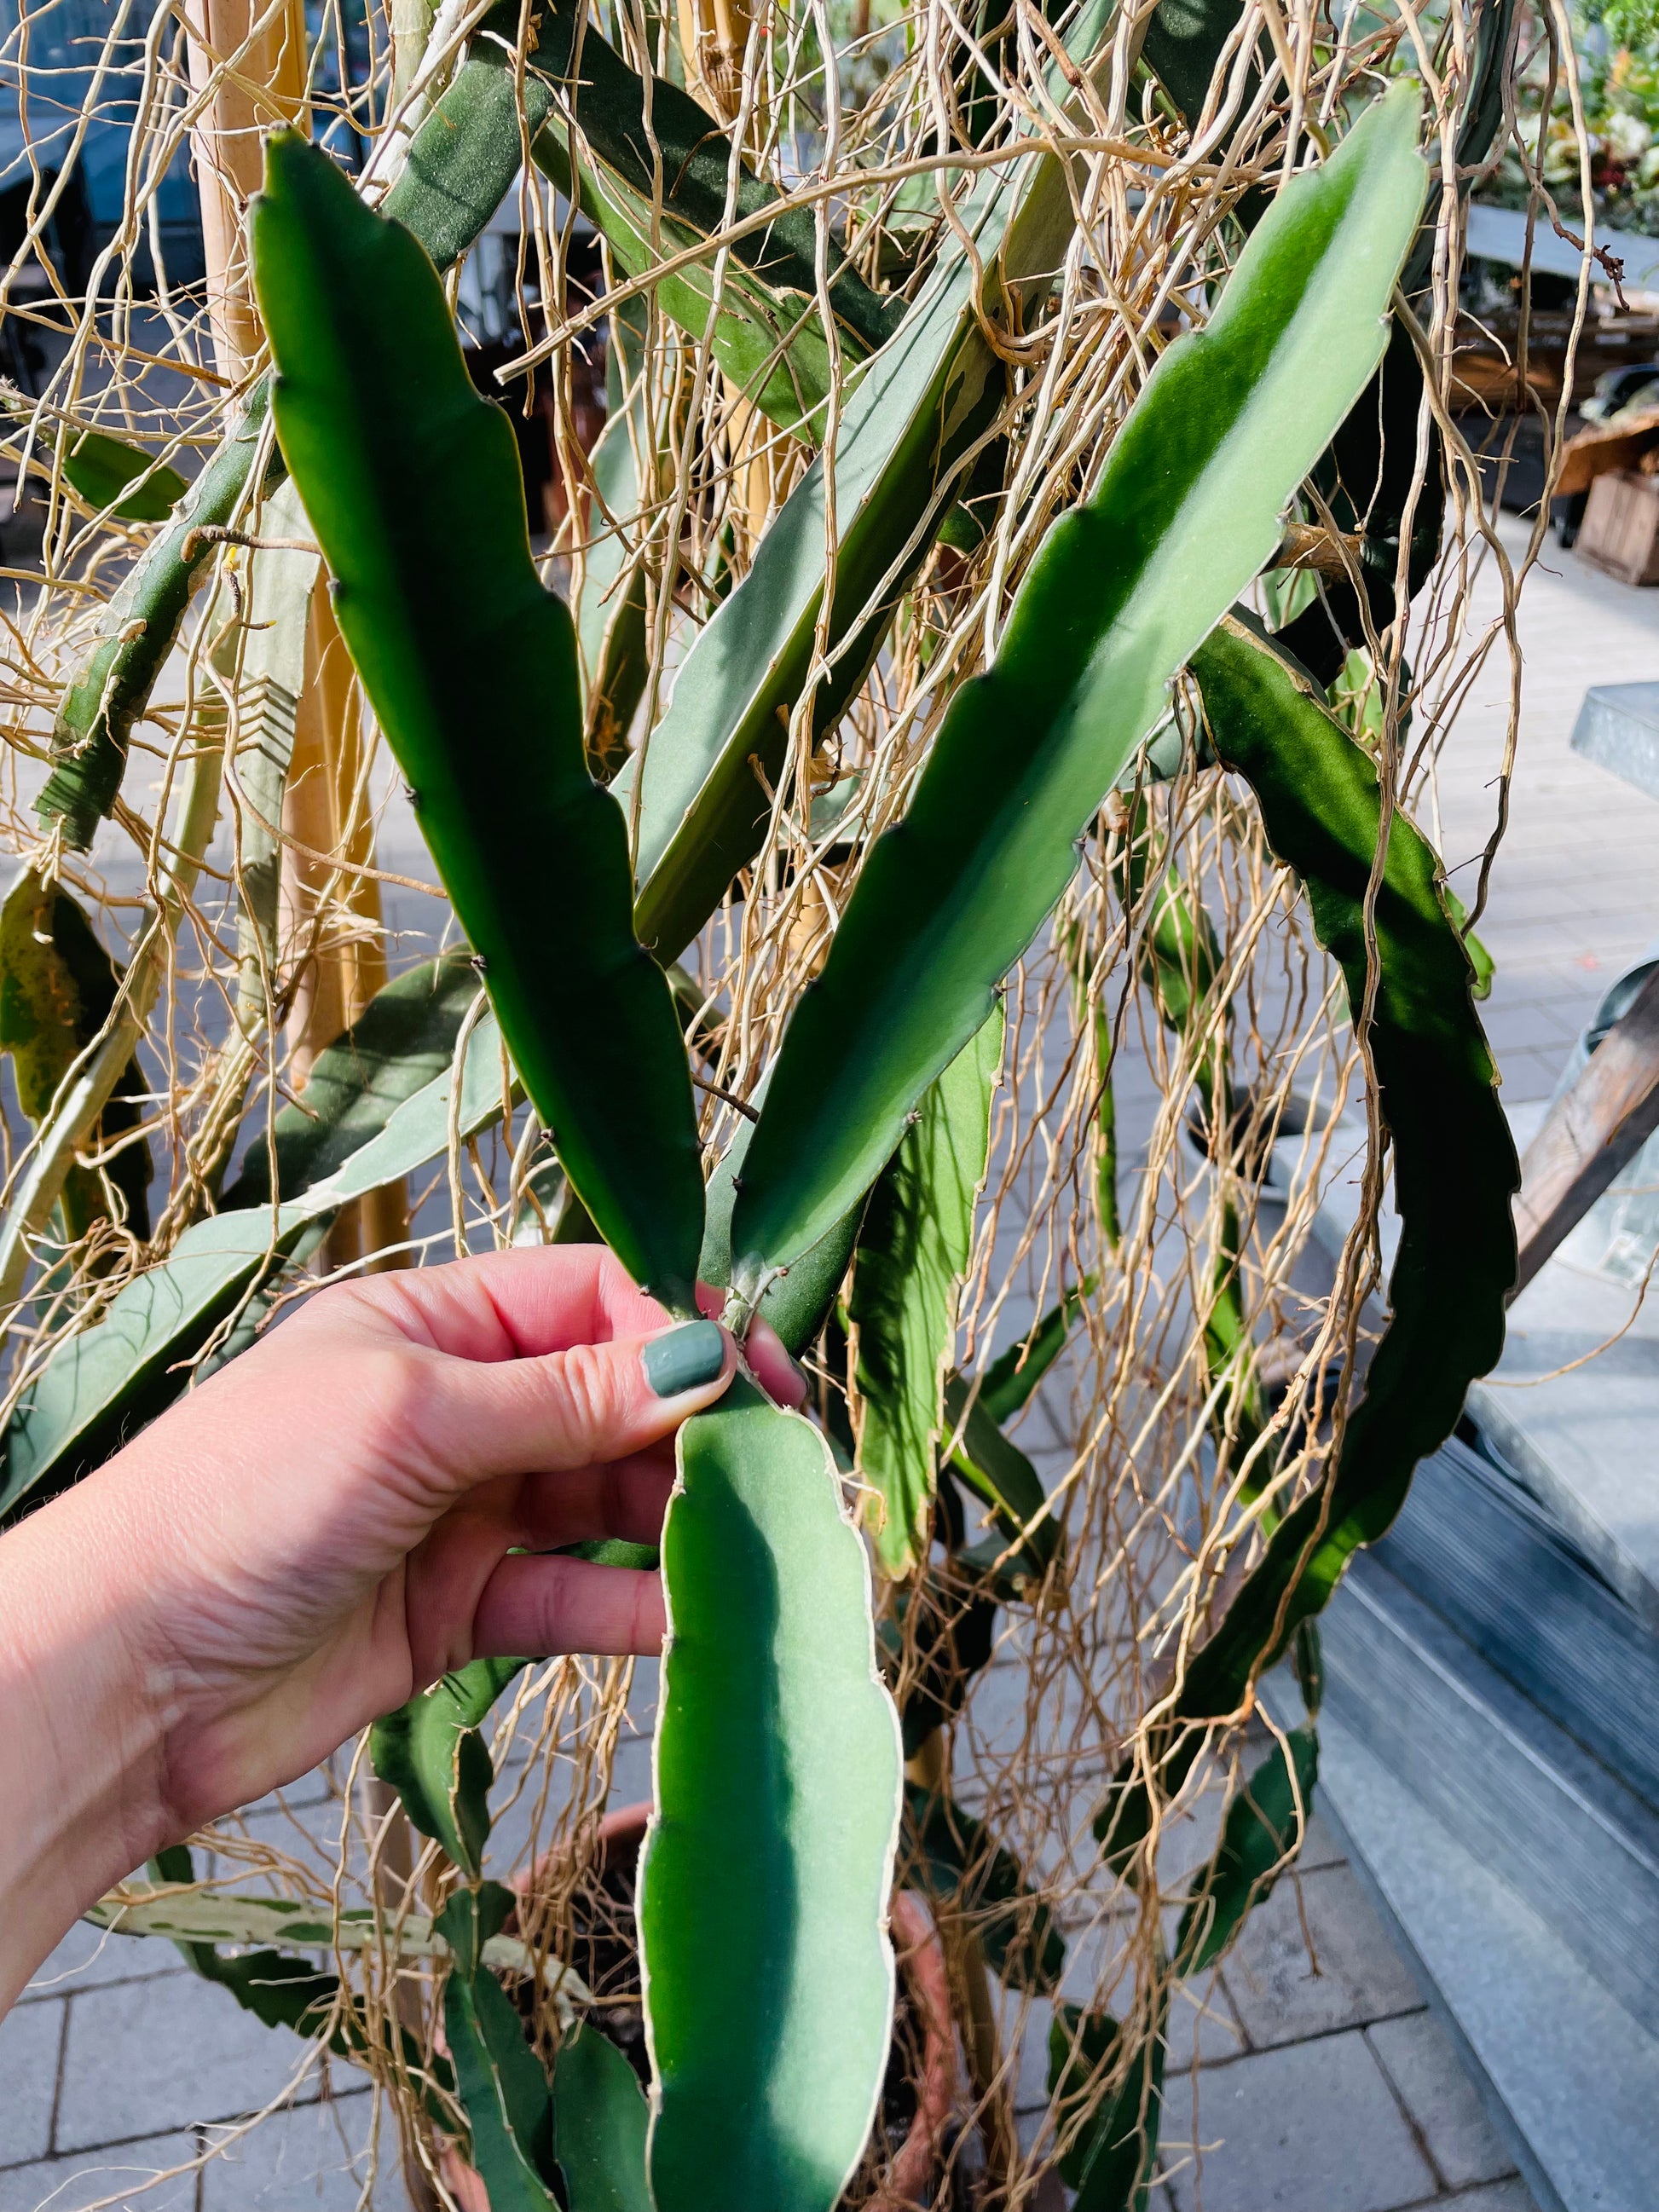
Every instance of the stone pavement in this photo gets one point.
(1315, 2079)
(1575, 892)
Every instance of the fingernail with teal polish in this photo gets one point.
(685, 1359)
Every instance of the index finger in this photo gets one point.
(520, 1304)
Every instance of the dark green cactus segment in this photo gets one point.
(1186, 512)
(463, 158)
(139, 628)
(954, 1858)
(1182, 44)
(600, 2124)
(1454, 1167)
(431, 1753)
(1116, 2077)
(1369, 473)
(1263, 1831)
(412, 484)
(1011, 1378)
(503, 2090)
(1366, 476)
(608, 100)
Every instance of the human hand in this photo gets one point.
(334, 1520)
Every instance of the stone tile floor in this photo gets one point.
(1315, 2079)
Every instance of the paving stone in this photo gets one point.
(1511, 2196)
(1320, 1849)
(1203, 2028)
(172, 2052)
(1526, 1026)
(127, 2175)
(630, 1771)
(1277, 1992)
(90, 1957)
(311, 2158)
(1421, 2061)
(1315, 2128)
(31, 2037)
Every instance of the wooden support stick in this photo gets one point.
(1592, 1132)
(252, 54)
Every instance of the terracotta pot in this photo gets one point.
(921, 1966)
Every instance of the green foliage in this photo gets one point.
(1110, 2161)
(797, 1302)
(658, 182)
(953, 1857)
(912, 1255)
(1000, 1472)
(631, 125)
(1121, 593)
(1010, 1379)
(599, 2119)
(905, 433)
(412, 484)
(502, 2089)
(100, 1385)
(1455, 1165)
(431, 1753)
(100, 469)
(1263, 1831)
(137, 632)
(403, 1041)
(703, 808)
(1182, 43)
(58, 988)
(762, 1887)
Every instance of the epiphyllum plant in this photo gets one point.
(766, 1971)
(781, 1790)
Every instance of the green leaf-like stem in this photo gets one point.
(599, 2123)
(1455, 1166)
(503, 2091)
(1262, 1833)
(412, 484)
(101, 1385)
(1118, 596)
(431, 1753)
(768, 1978)
(911, 1256)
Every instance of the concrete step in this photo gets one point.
(1475, 1544)
(1571, 2080)
(1511, 1785)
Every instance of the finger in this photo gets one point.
(778, 1375)
(539, 1608)
(627, 1499)
(500, 1305)
(773, 1369)
(588, 1407)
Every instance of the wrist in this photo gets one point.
(83, 1805)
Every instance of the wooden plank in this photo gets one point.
(1589, 1134)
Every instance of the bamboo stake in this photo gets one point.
(334, 910)
(252, 54)
(714, 43)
